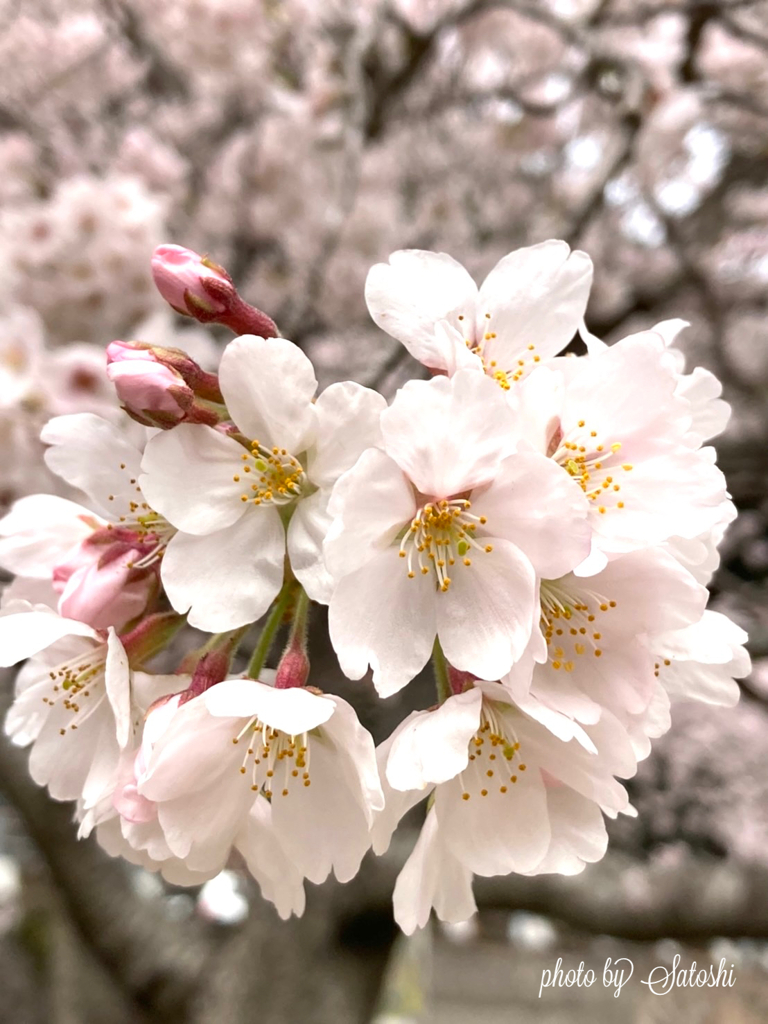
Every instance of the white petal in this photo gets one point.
(25, 630)
(307, 531)
(432, 877)
(700, 661)
(457, 354)
(92, 454)
(378, 616)
(449, 435)
(322, 827)
(230, 578)
(541, 509)
(348, 422)
(579, 836)
(279, 880)
(433, 746)
(117, 677)
(293, 711)
(409, 295)
(484, 620)
(357, 754)
(535, 295)
(188, 475)
(268, 385)
(499, 832)
(369, 505)
(39, 531)
(62, 757)
(396, 802)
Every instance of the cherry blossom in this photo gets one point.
(234, 502)
(527, 309)
(442, 533)
(102, 562)
(305, 752)
(77, 702)
(509, 795)
(618, 427)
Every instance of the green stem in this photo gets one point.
(440, 668)
(271, 627)
(300, 621)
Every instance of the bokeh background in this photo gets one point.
(298, 142)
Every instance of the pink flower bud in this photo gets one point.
(293, 669)
(100, 587)
(145, 386)
(180, 274)
(196, 286)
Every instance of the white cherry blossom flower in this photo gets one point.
(306, 752)
(509, 795)
(595, 627)
(527, 309)
(73, 700)
(443, 534)
(99, 560)
(616, 425)
(709, 413)
(702, 661)
(232, 502)
(133, 829)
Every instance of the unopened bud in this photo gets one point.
(97, 583)
(147, 387)
(161, 387)
(151, 635)
(293, 669)
(459, 680)
(196, 286)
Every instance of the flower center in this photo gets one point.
(153, 531)
(483, 347)
(278, 761)
(78, 685)
(568, 623)
(439, 537)
(596, 466)
(275, 476)
(492, 753)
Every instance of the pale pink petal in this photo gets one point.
(93, 455)
(541, 509)
(25, 630)
(230, 578)
(268, 385)
(369, 505)
(432, 877)
(535, 295)
(188, 478)
(409, 295)
(348, 422)
(117, 677)
(307, 532)
(484, 620)
(39, 531)
(449, 435)
(378, 616)
(501, 831)
(293, 711)
(433, 746)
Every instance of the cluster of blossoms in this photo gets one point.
(541, 526)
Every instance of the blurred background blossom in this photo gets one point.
(298, 142)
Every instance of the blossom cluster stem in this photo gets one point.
(271, 626)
